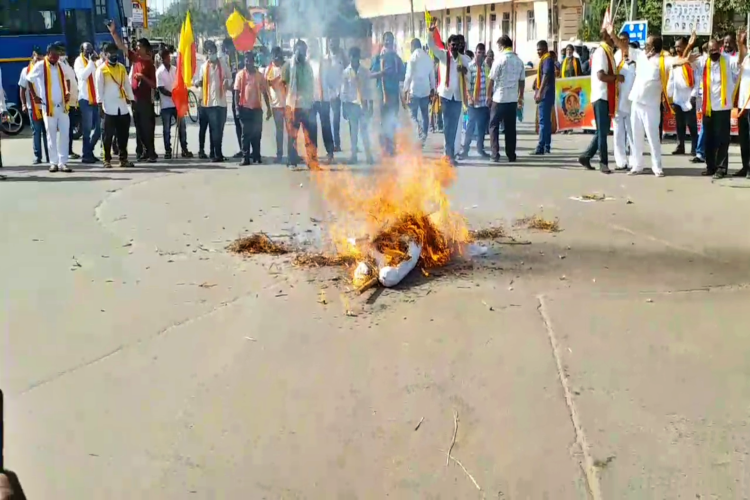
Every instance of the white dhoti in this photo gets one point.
(58, 148)
(645, 119)
(623, 137)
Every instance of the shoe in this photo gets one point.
(237, 155)
(495, 159)
(512, 159)
(37, 161)
(604, 169)
(279, 158)
(259, 161)
(107, 164)
(74, 156)
(586, 162)
(3, 178)
(202, 155)
(245, 162)
(659, 174)
(708, 173)
(635, 172)
(138, 156)
(484, 154)
(679, 151)
(537, 152)
(53, 168)
(186, 154)
(741, 173)
(152, 159)
(126, 164)
(337, 149)
(621, 169)
(548, 151)
(697, 159)
(89, 161)
(218, 159)
(66, 169)
(719, 174)
(167, 155)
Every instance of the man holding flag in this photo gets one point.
(166, 81)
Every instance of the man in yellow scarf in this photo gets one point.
(479, 112)
(545, 97)
(115, 92)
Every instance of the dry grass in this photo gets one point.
(323, 260)
(594, 197)
(488, 233)
(258, 243)
(539, 223)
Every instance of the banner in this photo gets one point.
(670, 123)
(573, 103)
(682, 17)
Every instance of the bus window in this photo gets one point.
(29, 17)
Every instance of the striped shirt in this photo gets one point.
(507, 72)
(481, 101)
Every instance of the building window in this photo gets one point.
(492, 7)
(482, 30)
(468, 25)
(505, 27)
(29, 17)
(459, 26)
(530, 26)
(100, 16)
(468, 10)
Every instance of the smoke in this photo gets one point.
(316, 18)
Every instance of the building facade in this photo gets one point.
(526, 22)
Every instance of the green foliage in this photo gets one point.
(205, 23)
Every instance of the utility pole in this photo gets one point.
(633, 10)
(411, 3)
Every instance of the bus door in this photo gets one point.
(79, 28)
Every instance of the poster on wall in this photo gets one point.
(682, 17)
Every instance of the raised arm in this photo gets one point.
(690, 45)
(609, 34)
(116, 37)
(440, 53)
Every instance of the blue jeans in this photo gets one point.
(37, 129)
(479, 121)
(91, 126)
(420, 105)
(545, 125)
(389, 124)
(451, 119)
(700, 150)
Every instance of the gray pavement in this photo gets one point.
(613, 363)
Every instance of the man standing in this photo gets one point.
(166, 80)
(28, 105)
(337, 63)
(249, 86)
(85, 68)
(545, 97)
(680, 90)
(505, 96)
(74, 113)
(479, 112)
(720, 75)
(622, 131)
(214, 77)
(356, 100)
(143, 81)
(387, 68)
(322, 93)
(50, 90)
(276, 92)
(419, 85)
(743, 116)
(232, 60)
(604, 80)
(115, 93)
(452, 89)
(297, 76)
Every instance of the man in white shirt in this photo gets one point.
(322, 93)
(85, 67)
(505, 97)
(452, 89)
(680, 89)
(166, 81)
(337, 62)
(278, 98)
(604, 79)
(356, 101)
(743, 118)
(215, 78)
(419, 85)
(34, 110)
(115, 92)
(720, 75)
(623, 133)
(50, 89)
(646, 96)
(74, 113)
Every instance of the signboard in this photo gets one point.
(574, 111)
(682, 17)
(637, 30)
(140, 16)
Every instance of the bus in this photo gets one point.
(28, 23)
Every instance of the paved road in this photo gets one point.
(613, 362)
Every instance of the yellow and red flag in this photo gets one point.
(242, 32)
(186, 62)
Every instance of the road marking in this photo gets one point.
(589, 470)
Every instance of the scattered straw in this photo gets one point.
(323, 260)
(488, 233)
(453, 441)
(257, 243)
(594, 197)
(539, 223)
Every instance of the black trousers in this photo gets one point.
(336, 110)
(687, 119)
(237, 122)
(252, 131)
(74, 114)
(145, 127)
(202, 129)
(302, 118)
(718, 128)
(116, 127)
(743, 123)
(504, 113)
(603, 126)
(322, 109)
(217, 118)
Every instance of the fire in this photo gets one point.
(398, 203)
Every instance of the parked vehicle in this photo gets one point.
(12, 119)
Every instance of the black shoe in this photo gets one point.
(186, 154)
(679, 151)
(245, 162)
(537, 152)
(720, 174)
(548, 151)
(37, 161)
(74, 156)
(495, 159)
(139, 157)
(604, 169)
(622, 169)
(337, 149)
(202, 155)
(741, 173)
(697, 159)
(152, 159)
(168, 155)
(708, 173)
(218, 159)
(89, 160)
(258, 160)
(512, 159)
(484, 154)
(586, 162)
(237, 155)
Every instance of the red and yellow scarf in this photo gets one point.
(461, 76)
(664, 78)
(205, 81)
(707, 85)
(90, 83)
(36, 112)
(48, 86)
(482, 76)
